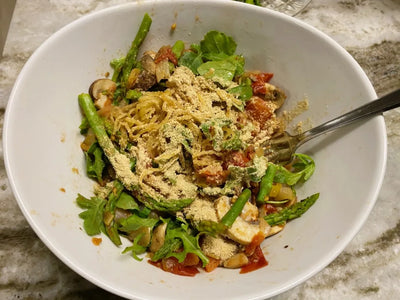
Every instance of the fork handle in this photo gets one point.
(373, 108)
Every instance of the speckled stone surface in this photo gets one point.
(369, 268)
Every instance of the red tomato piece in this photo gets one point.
(172, 265)
(259, 80)
(212, 264)
(165, 52)
(258, 109)
(236, 158)
(213, 176)
(256, 261)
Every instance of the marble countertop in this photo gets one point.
(369, 268)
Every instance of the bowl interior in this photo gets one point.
(46, 166)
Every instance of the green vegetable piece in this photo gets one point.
(192, 60)
(229, 218)
(266, 184)
(112, 233)
(218, 44)
(304, 167)
(133, 95)
(136, 249)
(93, 215)
(170, 245)
(178, 48)
(220, 71)
(94, 162)
(126, 201)
(190, 245)
(291, 212)
(117, 65)
(164, 205)
(114, 196)
(120, 162)
(211, 227)
(243, 92)
(84, 127)
(134, 222)
(130, 60)
(109, 210)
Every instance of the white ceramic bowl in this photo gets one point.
(42, 154)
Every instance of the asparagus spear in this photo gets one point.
(229, 218)
(266, 183)
(291, 212)
(122, 164)
(131, 57)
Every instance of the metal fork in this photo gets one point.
(280, 148)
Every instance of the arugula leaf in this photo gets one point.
(243, 92)
(134, 222)
(170, 245)
(220, 71)
(217, 43)
(192, 60)
(190, 244)
(179, 236)
(126, 201)
(93, 215)
(303, 167)
(94, 162)
(136, 249)
(178, 48)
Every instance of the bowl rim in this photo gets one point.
(327, 259)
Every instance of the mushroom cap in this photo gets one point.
(102, 87)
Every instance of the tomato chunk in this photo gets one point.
(236, 158)
(165, 52)
(172, 265)
(213, 263)
(259, 80)
(259, 110)
(213, 175)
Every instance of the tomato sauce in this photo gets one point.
(256, 261)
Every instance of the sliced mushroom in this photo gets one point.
(133, 78)
(102, 87)
(162, 70)
(274, 94)
(145, 238)
(147, 77)
(101, 91)
(158, 238)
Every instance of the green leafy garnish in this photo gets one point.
(93, 215)
(134, 222)
(95, 162)
(136, 249)
(179, 236)
(303, 167)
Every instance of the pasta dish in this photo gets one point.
(174, 141)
